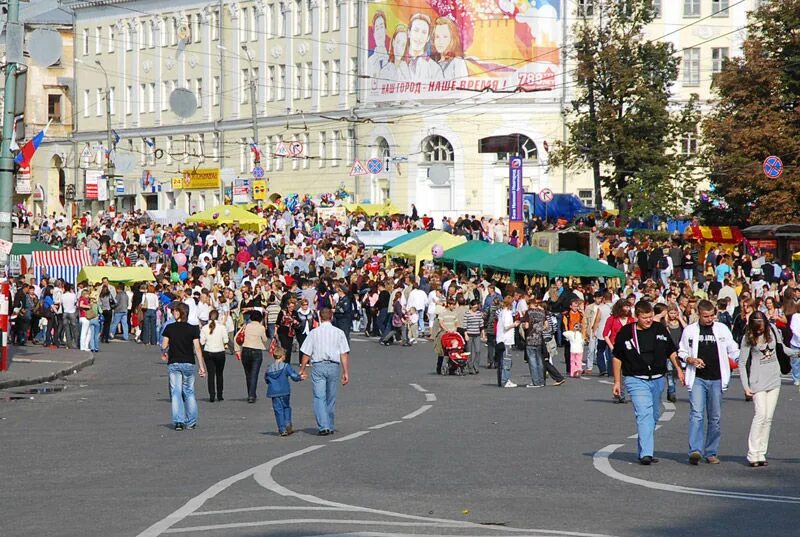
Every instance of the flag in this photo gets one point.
(151, 143)
(117, 137)
(25, 154)
(256, 152)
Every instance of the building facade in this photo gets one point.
(430, 110)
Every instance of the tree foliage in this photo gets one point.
(622, 122)
(757, 114)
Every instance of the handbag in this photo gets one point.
(91, 313)
(784, 360)
(240, 336)
(273, 345)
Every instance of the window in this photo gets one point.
(718, 56)
(126, 36)
(353, 12)
(335, 73)
(151, 31)
(215, 91)
(307, 80)
(98, 103)
(165, 95)
(323, 149)
(437, 149)
(151, 97)
(54, 107)
(112, 97)
(186, 148)
(141, 35)
(298, 80)
(215, 146)
(244, 25)
(304, 158)
(691, 67)
(281, 82)
(86, 103)
(585, 8)
(691, 8)
(295, 161)
(353, 75)
(213, 21)
(85, 41)
(278, 164)
(719, 8)
(244, 85)
(168, 150)
(200, 146)
(383, 152)
(323, 79)
(270, 82)
(128, 99)
(269, 20)
(142, 98)
(173, 31)
(323, 14)
(253, 25)
(196, 28)
(98, 36)
(526, 148)
(335, 15)
(297, 17)
(110, 39)
(307, 18)
(280, 19)
(656, 9)
(335, 137)
(351, 147)
(243, 154)
(689, 145)
(587, 197)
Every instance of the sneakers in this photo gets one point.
(647, 460)
(509, 384)
(694, 458)
(672, 398)
(534, 386)
(179, 426)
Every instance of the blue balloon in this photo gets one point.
(184, 276)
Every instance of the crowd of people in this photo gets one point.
(222, 291)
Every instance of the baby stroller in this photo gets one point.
(453, 346)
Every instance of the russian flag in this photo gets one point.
(256, 151)
(25, 154)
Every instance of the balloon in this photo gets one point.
(437, 251)
(181, 268)
(180, 259)
(184, 276)
(174, 277)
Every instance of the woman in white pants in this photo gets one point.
(84, 304)
(760, 373)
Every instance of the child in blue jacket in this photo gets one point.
(279, 390)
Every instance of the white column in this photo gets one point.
(289, 81)
(136, 107)
(232, 58)
(261, 56)
(158, 30)
(208, 73)
(344, 55)
(316, 51)
(122, 81)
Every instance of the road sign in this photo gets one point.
(296, 149)
(358, 169)
(374, 165)
(282, 150)
(773, 167)
(258, 172)
(546, 195)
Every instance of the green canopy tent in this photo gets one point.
(490, 254)
(462, 253)
(576, 265)
(400, 240)
(520, 260)
(27, 248)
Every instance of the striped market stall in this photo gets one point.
(63, 264)
(710, 237)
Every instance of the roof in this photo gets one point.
(45, 12)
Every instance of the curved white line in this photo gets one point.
(417, 412)
(212, 527)
(350, 436)
(418, 388)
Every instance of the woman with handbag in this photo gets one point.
(85, 313)
(106, 302)
(762, 351)
(307, 321)
(214, 338)
(251, 342)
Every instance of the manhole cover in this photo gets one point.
(44, 390)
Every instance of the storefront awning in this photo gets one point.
(720, 234)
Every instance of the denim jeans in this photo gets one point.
(381, 326)
(94, 334)
(325, 378)
(705, 402)
(474, 349)
(181, 388)
(535, 365)
(688, 274)
(796, 370)
(71, 330)
(671, 385)
(251, 361)
(120, 317)
(283, 412)
(603, 357)
(502, 358)
(590, 353)
(646, 398)
(149, 331)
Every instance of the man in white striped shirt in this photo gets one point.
(327, 350)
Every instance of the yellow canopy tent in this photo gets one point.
(419, 248)
(228, 214)
(372, 209)
(126, 275)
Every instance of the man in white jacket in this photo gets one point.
(706, 348)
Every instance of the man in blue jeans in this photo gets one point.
(327, 350)
(641, 351)
(706, 348)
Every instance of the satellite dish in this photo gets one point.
(124, 161)
(45, 46)
(439, 174)
(183, 102)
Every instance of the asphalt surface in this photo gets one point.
(414, 454)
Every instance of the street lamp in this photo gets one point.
(253, 110)
(109, 163)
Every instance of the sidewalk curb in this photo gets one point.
(74, 368)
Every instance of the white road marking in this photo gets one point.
(430, 397)
(350, 436)
(417, 412)
(606, 382)
(268, 508)
(232, 525)
(418, 388)
(603, 465)
(382, 425)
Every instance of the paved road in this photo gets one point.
(414, 454)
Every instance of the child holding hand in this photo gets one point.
(279, 390)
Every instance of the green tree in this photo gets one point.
(757, 114)
(622, 121)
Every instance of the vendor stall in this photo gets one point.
(125, 275)
(21, 257)
(63, 264)
(575, 265)
(713, 236)
(230, 215)
(379, 239)
(462, 253)
(403, 238)
(521, 260)
(420, 248)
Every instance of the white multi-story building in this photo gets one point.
(437, 103)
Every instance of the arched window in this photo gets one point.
(383, 152)
(437, 149)
(508, 145)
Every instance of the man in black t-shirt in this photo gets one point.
(179, 347)
(641, 351)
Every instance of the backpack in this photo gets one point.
(662, 264)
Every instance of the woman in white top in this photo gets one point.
(434, 297)
(214, 338)
(149, 309)
(505, 340)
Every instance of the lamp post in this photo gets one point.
(253, 108)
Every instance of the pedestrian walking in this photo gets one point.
(251, 352)
(641, 352)
(181, 350)
(213, 339)
(706, 348)
(504, 334)
(120, 313)
(280, 391)
(328, 352)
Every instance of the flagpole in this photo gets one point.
(13, 32)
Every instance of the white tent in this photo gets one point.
(376, 239)
(168, 217)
